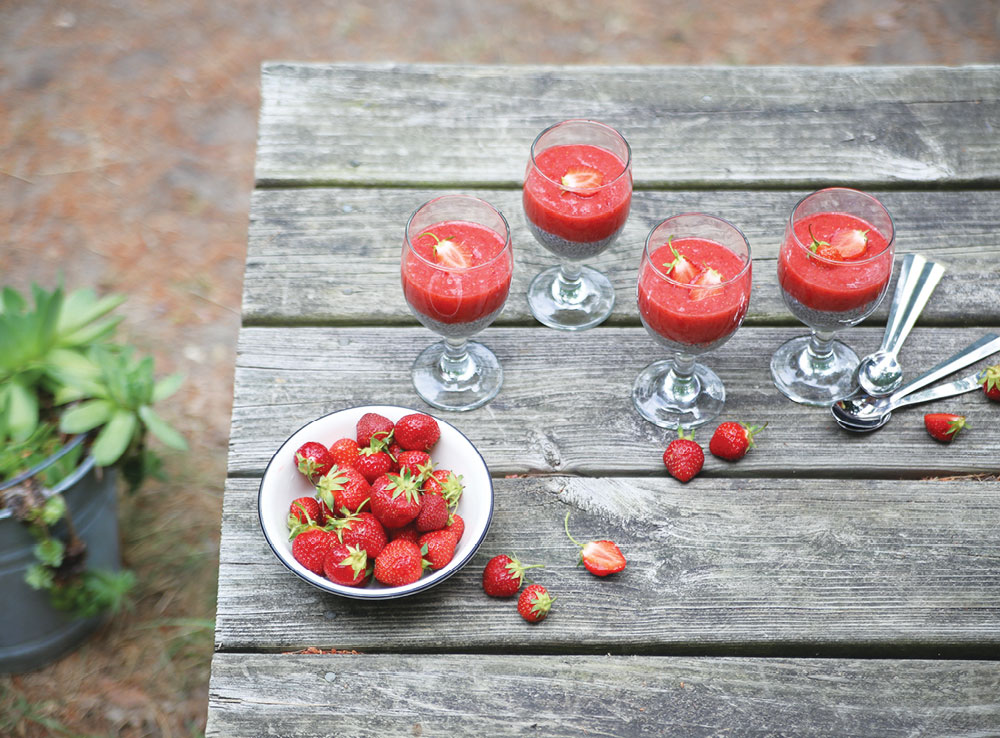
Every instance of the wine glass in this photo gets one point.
(833, 268)
(577, 194)
(693, 292)
(456, 270)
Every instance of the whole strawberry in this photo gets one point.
(313, 459)
(344, 487)
(344, 452)
(373, 425)
(599, 557)
(456, 525)
(347, 565)
(310, 546)
(503, 575)
(374, 461)
(683, 457)
(417, 432)
(363, 530)
(305, 511)
(408, 532)
(438, 548)
(944, 426)
(433, 513)
(395, 499)
(534, 603)
(399, 564)
(418, 462)
(731, 441)
(445, 483)
(991, 382)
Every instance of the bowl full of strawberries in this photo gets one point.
(375, 502)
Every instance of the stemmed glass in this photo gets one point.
(833, 268)
(456, 270)
(577, 194)
(693, 292)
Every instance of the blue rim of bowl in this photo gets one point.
(388, 593)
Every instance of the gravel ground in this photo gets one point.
(126, 163)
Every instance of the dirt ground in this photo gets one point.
(127, 135)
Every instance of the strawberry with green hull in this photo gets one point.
(361, 529)
(503, 575)
(445, 483)
(417, 432)
(373, 426)
(600, 558)
(399, 564)
(991, 382)
(344, 452)
(534, 603)
(313, 460)
(418, 462)
(438, 548)
(305, 511)
(374, 461)
(347, 565)
(456, 525)
(310, 546)
(344, 487)
(683, 457)
(731, 441)
(396, 499)
(944, 426)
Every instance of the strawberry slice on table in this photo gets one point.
(582, 180)
(944, 426)
(450, 253)
(991, 382)
(844, 245)
(601, 558)
(534, 603)
(681, 269)
(731, 441)
(706, 285)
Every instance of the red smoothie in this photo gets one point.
(578, 193)
(700, 312)
(832, 283)
(457, 272)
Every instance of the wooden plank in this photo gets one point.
(736, 567)
(367, 695)
(424, 124)
(331, 256)
(566, 402)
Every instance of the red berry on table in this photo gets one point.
(731, 441)
(417, 432)
(363, 530)
(310, 546)
(433, 513)
(683, 457)
(344, 451)
(347, 565)
(344, 487)
(418, 462)
(944, 426)
(456, 525)
(534, 603)
(373, 462)
(601, 558)
(991, 382)
(313, 459)
(399, 564)
(395, 499)
(305, 511)
(438, 548)
(503, 575)
(445, 483)
(373, 425)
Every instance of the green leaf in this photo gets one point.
(114, 438)
(93, 333)
(50, 552)
(161, 429)
(38, 577)
(22, 411)
(12, 302)
(167, 386)
(53, 510)
(82, 307)
(86, 416)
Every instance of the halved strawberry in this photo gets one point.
(706, 282)
(599, 557)
(450, 253)
(681, 269)
(581, 180)
(845, 245)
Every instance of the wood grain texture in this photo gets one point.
(754, 567)
(565, 405)
(422, 124)
(331, 256)
(318, 696)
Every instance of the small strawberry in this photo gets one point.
(683, 457)
(534, 603)
(399, 564)
(310, 546)
(438, 548)
(503, 575)
(347, 565)
(305, 511)
(991, 382)
(313, 459)
(418, 462)
(433, 514)
(374, 461)
(445, 483)
(731, 441)
(408, 532)
(944, 426)
(450, 253)
(396, 499)
(705, 285)
(582, 180)
(373, 425)
(417, 432)
(681, 269)
(344, 452)
(344, 487)
(456, 525)
(363, 530)
(599, 557)
(843, 246)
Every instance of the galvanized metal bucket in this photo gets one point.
(32, 632)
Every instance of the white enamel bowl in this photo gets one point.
(282, 483)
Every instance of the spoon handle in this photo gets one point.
(988, 344)
(917, 279)
(940, 391)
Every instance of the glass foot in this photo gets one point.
(813, 380)
(457, 383)
(571, 305)
(655, 398)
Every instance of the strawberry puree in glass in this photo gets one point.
(688, 314)
(827, 285)
(591, 213)
(453, 295)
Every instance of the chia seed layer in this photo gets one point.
(457, 330)
(826, 319)
(572, 250)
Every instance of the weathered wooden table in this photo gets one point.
(828, 584)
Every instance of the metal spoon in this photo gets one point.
(880, 374)
(862, 411)
(886, 406)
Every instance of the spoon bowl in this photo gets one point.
(880, 373)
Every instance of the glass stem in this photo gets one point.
(568, 285)
(681, 381)
(820, 350)
(456, 364)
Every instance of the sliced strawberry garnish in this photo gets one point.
(582, 180)
(450, 253)
(705, 285)
(602, 558)
(681, 269)
(845, 245)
